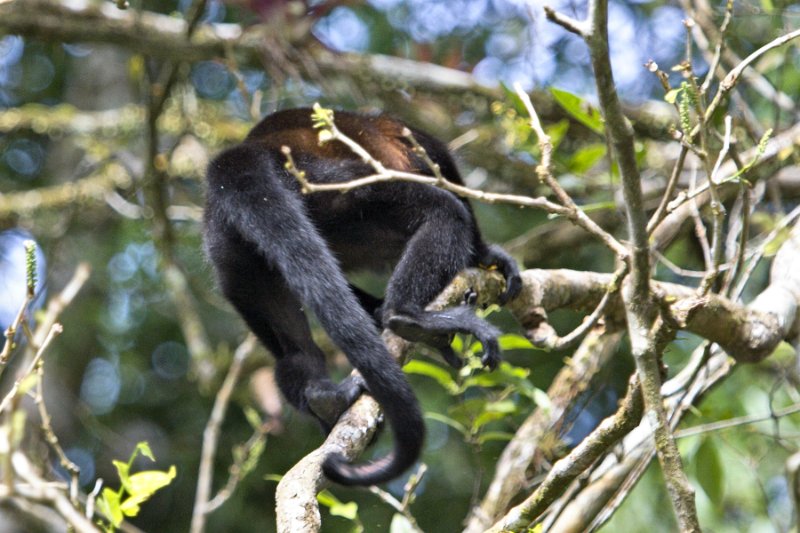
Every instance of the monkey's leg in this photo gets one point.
(277, 318)
(439, 249)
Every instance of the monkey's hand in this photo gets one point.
(436, 329)
(327, 400)
(496, 257)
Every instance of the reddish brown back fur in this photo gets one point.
(379, 135)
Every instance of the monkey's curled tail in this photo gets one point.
(249, 189)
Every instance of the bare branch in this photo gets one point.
(211, 435)
(581, 457)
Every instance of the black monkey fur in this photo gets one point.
(278, 252)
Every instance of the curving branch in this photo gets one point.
(296, 499)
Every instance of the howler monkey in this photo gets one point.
(278, 252)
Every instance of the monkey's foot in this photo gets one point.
(327, 400)
(436, 329)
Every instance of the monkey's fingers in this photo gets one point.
(513, 288)
(491, 353)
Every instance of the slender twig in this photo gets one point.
(681, 271)
(11, 332)
(714, 63)
(550, 341)
(661, 211)
(741, 249)
(718, 213)
(544, 171)
(761, 250)
(211, 435)
(736, 422)
(382, 174)
(37, 488)
(251, 449)
(420, 151)
(47, 427)
(409, 490)
(733, 76)
(699, 227)
(604, 436)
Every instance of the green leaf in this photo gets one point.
(254, 453)
(709, 471)
(253, 418)
(123, 469)
(327, 498)
(143, 485)
(347, 510)
(149, 481)
(488, 436)
(557, 132)
(494, 411)
(337, 507)
(401, 524)
(514, 341)
(446, 420)
(672, 96)
(541, 398)
(514, 99)
(579, 110)
(435, 372)
(457, 343)
(783, 353)
(144, 448)
(108, 505)
(587, 157)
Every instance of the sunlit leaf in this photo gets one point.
(437, 373)
(108, 504)
(557, 132)
(142, 485)
(587, 157)
(123, 470)
(514, 341)
(488, 436)
(144, 448)
(348, 510)
(579, 110)
(672, 96)
(446, 420)
(401, 524)
(494, 411)
(513, 98)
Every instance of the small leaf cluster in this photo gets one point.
(508, 384)
(135, 488)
